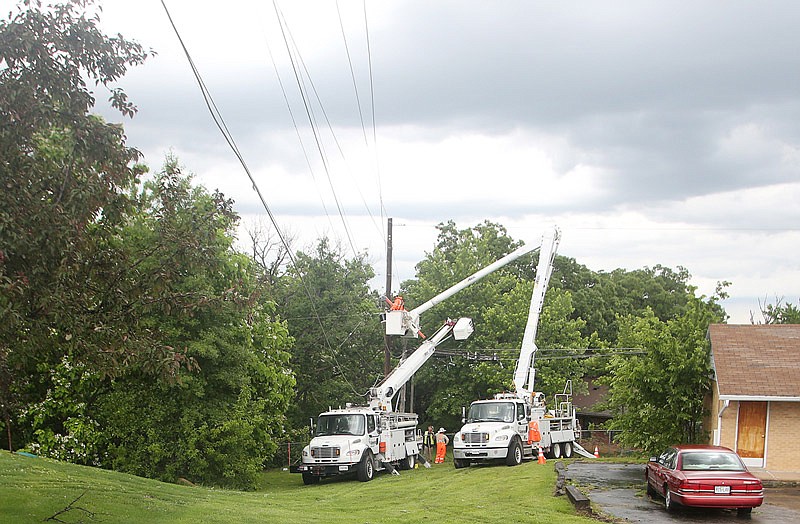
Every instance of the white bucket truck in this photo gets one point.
(514, 426)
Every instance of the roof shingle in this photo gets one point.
(756, 360)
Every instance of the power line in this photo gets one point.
(220, 123)
(312, 122)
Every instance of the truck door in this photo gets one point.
(522, 422)
(373, 432)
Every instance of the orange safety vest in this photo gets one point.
(533, 432)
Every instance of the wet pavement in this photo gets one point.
(618, 490)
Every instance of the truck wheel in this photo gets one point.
(460, 463)
(555, 451)
(408, 462)
(366, 468)
(567, 450)
(514, 457)
(309, 479)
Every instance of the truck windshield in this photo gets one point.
(491, 411)
(340, 425)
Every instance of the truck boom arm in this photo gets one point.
(525, 373)
(381, 396)
(406, 323)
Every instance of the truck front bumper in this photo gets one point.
(324, 470)
(480, 453)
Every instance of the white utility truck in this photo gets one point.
(366, 439)
(514, 426)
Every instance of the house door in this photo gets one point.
(752, 432)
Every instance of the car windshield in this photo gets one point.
(340, 425)
(492, 411)
(700, 461)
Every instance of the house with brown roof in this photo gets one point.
(755, 398)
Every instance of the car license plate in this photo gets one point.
(722, 490)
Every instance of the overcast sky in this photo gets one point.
(649, 132)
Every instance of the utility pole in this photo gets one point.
(387, 354)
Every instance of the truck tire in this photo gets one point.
(366, 468)
(514, 456)
(460, 463)
(567, 450)
(309, 479)
(408, 462)
(555, 450)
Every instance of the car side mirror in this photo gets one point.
(653, 459)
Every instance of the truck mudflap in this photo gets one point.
(323, 470)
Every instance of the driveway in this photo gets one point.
(618, 490)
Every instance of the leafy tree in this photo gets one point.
(215, 423)
(779, 313)
(333, 316)
(62, 172)
(658, 398)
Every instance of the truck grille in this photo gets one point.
(325, 453)
(476, 438)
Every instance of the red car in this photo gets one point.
(705, 477)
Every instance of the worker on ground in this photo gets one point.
(428, 443)
(441, 446)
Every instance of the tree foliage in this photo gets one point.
(63, 173)
(779, 312)
(134, 336)
(333, 316)
(658, 399)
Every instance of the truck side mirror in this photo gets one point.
(311, 428)
(463, 414)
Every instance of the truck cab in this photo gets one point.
(495, 429)
(359, 440)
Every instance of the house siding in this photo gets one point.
(730, 419)
(782, 431)
(783, 427)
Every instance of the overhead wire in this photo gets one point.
(330, 128)
(222, 126)
(312, 123)
(297, 130)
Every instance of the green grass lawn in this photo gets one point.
(33, 489)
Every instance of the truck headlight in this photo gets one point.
(305, 452)
(501, 438)
(353, 453)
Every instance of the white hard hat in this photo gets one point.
(441, 430)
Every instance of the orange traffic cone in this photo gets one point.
(596, 453)
(541, 456)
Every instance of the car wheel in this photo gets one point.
(555, 451)
(670, 504)
(309, 479)
(651, 491)
(514, 456)
(366, 468)
(744, 512)
(567, 449)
